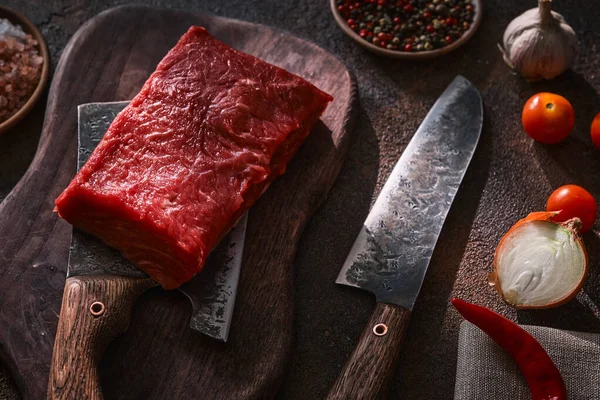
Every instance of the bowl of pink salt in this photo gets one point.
(24, 67)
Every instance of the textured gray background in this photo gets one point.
(509, 177)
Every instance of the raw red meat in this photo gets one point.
(208, 132)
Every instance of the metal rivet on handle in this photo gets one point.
(97, 308)
(380, 329)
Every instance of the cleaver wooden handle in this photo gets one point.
(368, 372)
(95, 310)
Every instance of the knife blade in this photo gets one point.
(102, 286)
(211, 293)
(392, 251)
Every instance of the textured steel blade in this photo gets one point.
(88, 255)
(212, 292)
(392, 251)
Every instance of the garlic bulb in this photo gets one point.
(539, 43)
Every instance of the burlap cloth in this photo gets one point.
(486, 371)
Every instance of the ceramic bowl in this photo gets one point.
(404, 55)
(18, 18)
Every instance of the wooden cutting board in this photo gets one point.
(160, 357)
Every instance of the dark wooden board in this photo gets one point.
(160, 357)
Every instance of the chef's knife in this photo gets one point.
(102, 286)
(392, 251)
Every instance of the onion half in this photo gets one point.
(540, 263)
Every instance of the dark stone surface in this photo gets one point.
(509, 177)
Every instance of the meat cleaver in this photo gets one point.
(102, 286)
(391, 253)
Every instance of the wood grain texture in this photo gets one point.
(159, 357)
(368, 372)
(94, 311)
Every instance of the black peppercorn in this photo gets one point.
(442, 10)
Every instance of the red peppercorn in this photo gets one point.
(469, 8)
(448, 39)
(382, 43)
(351, 22)
(397, 20)
(369, 25)
(353, 26)
(408, 8)
(389, 37)
(363, 33)
(396, 28)
(410, 40)
(430, 28)
(381, 36)
(457, 8)
(381, 2)
(399, 3)
(369, 34)
(357, 4)
(426, 14)
(351, 7)
(408, 47)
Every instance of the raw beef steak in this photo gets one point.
(208, 132)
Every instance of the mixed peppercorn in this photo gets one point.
(408, 25)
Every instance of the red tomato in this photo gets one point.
(595, 131)
(548, 118)
(573, 201)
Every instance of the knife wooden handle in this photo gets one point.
(367, 373)
(95, 310)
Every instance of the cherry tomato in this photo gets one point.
(548, 118)
(595, 131)
(573, 201)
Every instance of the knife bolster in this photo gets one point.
(95, 310)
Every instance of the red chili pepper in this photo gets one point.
(543, 378)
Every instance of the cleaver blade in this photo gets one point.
(211, 292)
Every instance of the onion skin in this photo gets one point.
(573, 225)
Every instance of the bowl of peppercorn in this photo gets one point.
(408, 29)
(24, 67)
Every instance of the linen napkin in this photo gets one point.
(485, 371)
